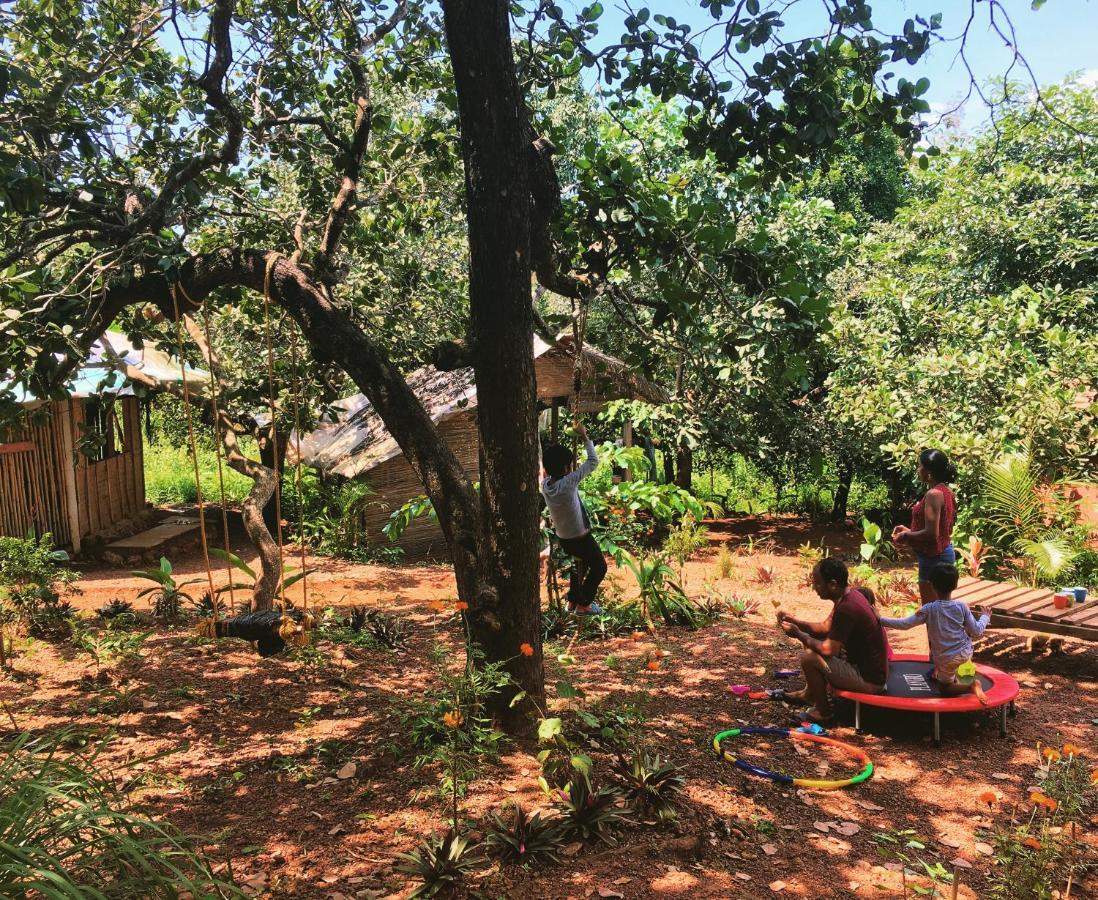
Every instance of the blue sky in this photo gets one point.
(1060, 38)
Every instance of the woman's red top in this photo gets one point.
(945, 522)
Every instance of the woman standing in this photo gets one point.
(931, 533)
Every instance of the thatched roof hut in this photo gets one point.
(357, 444)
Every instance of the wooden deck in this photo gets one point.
(1017, 606)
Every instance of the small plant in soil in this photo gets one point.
(207, 607)
(810, 554)
(651, 786)
(116, 609)
(524, 838)
(1039, 849)
(166, 593)
(741, 608)
(725, 563)
(440, 863)
(109, 646)
(588, 814)
(904, 846)
(764, 575)
(383, 631)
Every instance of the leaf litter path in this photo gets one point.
(308, 785)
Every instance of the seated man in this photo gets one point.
(848, 650)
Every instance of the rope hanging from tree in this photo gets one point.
(270, 630)
(192, 442)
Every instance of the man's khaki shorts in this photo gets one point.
(845, 676)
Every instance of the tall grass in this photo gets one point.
(68, 832)
(169, 476)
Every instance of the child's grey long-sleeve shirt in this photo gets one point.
(562, 497)
(950, 627)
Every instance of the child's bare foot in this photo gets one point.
(978, 690)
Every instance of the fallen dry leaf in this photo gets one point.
(624, 880)
(946, 841)
(743, 876)
(777, 886)
(1000, 776)
(823, 827)
(872, 807)
(572, 849)
(769, 849)
(348, 771)
(849, 829)
(960, 863)
(606, 892)
(985, 849)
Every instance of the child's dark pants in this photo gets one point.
(588, 568)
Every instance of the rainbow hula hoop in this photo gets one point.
(818, 784)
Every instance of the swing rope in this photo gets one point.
(192, 441)
(217, 451)
(297, 471)
(272, 261)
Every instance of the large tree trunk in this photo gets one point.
(842, 492)
(272, 453)
(684, 463)
(497, 158)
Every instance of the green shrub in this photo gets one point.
(67, 832)
(440, 863)
(32, 582)
(169, 476)
(525, 838)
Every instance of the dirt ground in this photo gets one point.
(251, 747)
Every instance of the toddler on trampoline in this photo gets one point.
(950, 628)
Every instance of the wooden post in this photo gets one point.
(68, 473)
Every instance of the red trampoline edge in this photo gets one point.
(1003, 689)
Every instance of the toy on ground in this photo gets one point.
(911, 689)
(818, 784)
(786, 673)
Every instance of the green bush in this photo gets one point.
(32, 583)
(66, 832)
(169, 477)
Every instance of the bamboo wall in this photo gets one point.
(32, 489)
(33, 492)
(395, 484)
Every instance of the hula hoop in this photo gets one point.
(818, 784)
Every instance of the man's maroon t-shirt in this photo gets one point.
(858, 628)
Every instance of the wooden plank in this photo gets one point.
(1087, 613)
(1068, 629)
(1004, 597)
(17, 447)
(1020, 599)
(980, 589)
(69, 476)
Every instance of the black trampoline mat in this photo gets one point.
(911, 678)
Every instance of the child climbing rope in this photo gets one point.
(571, 522)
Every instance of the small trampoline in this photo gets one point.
(910, 689)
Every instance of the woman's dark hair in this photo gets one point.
(557, 460)
(944, 579)
(938, 465)
(831, 568)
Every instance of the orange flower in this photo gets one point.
(1072, 750)
(653, 665)
(461, 606)
(989, 797)
(437, 605)
(1051, 755)
(1040, 799)
(452, 719)
(1094, 777)
(526, 649)
(1032, 842)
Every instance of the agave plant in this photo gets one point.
(386, 631)
(115, 609)
(1017, 511)
(526, 839)
(168, 594)
(588, 814)
(440, 863)
(651, 785)
(68, 832)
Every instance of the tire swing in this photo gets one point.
(817, 784)
(270, 630)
